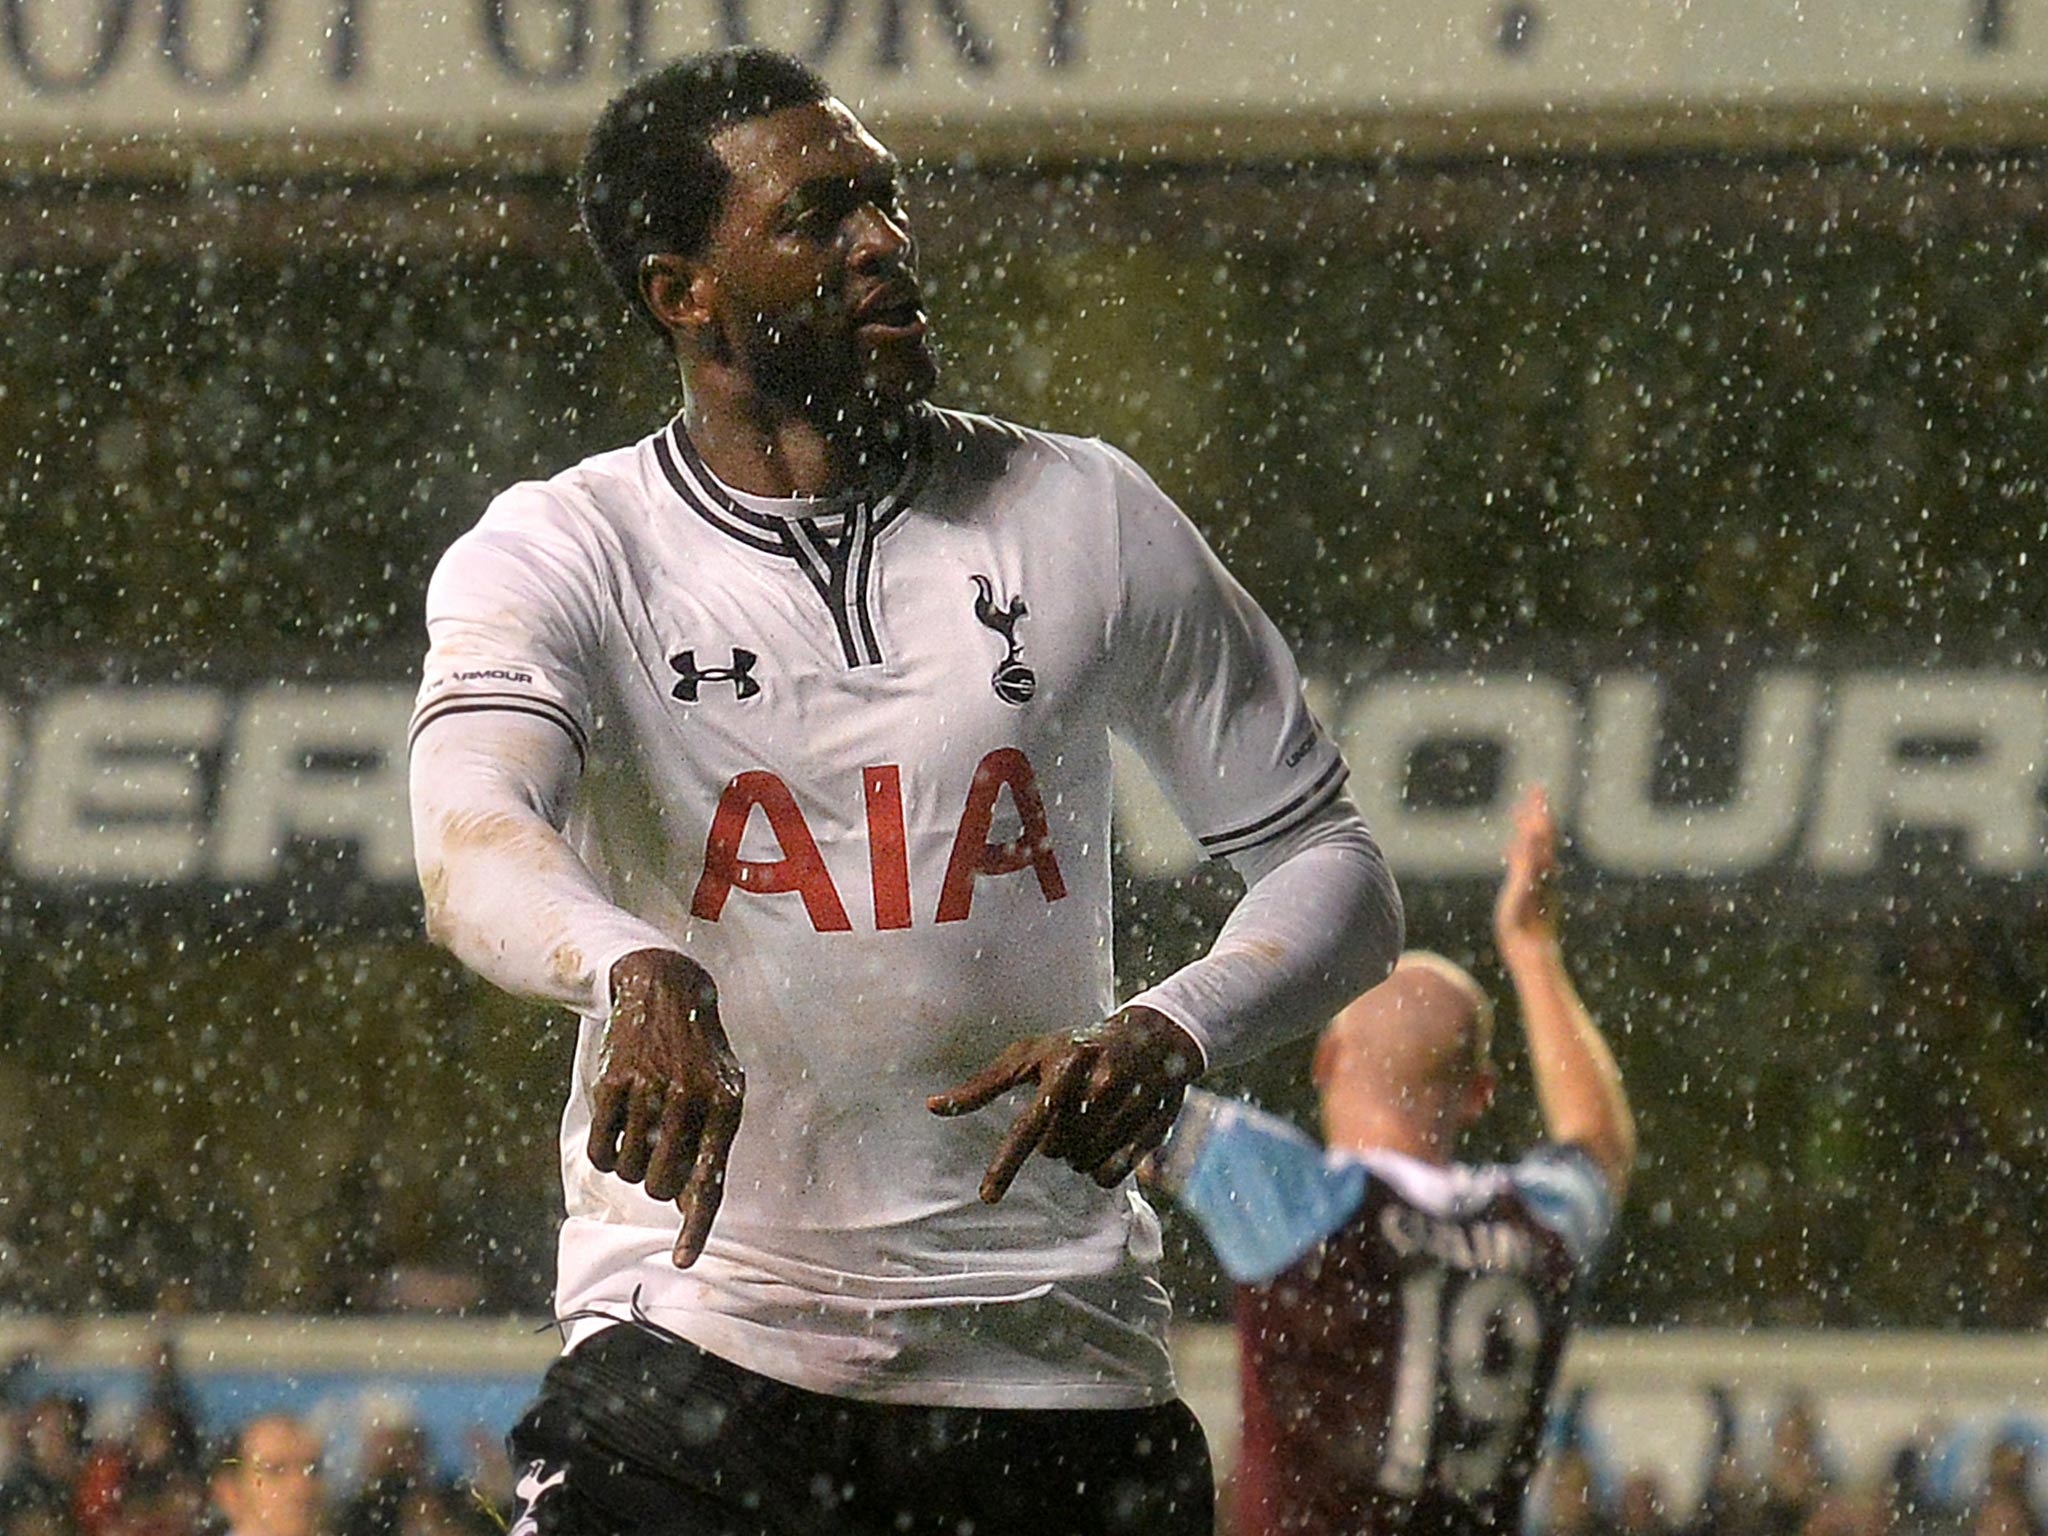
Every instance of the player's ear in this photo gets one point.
(676, 290)
(1324, 1067)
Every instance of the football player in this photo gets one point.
(776, 745)
(1400, 1313)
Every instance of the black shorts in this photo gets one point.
(636, 1431)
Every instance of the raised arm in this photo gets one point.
(1578, 1086)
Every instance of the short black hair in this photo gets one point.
(650, 180)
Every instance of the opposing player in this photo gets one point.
(1401, 1314)
(777, 746)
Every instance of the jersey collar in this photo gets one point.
(1443, 1189)
(771, 532)
(838, 561)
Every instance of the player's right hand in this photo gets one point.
(666, 1105)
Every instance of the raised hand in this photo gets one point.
(667, 1104)
(1522, 912)
(1107, 1095)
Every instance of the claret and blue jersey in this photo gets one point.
(1400, 1323)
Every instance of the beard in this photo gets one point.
(809, 370)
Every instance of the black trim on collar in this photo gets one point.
(828, 563)
(840, 570)
(702, 505)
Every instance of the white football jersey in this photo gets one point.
(853, 758)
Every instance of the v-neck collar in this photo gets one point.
(838, 562)
(720, 506)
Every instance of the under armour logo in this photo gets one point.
(740, 674)
(1013, 681)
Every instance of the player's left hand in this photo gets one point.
(1107, 1095)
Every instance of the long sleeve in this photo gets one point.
(1319, 923)
(1213, 702)
(504, 891)
(515, 615)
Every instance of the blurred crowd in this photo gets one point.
(64, 1474)
(67, 1471)
(1794, 1489)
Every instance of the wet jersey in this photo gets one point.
(853, 757)
(1399, 1324)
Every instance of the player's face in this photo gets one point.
(817, 292)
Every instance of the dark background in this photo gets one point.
(1458, 412)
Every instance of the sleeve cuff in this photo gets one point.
(624, 944)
